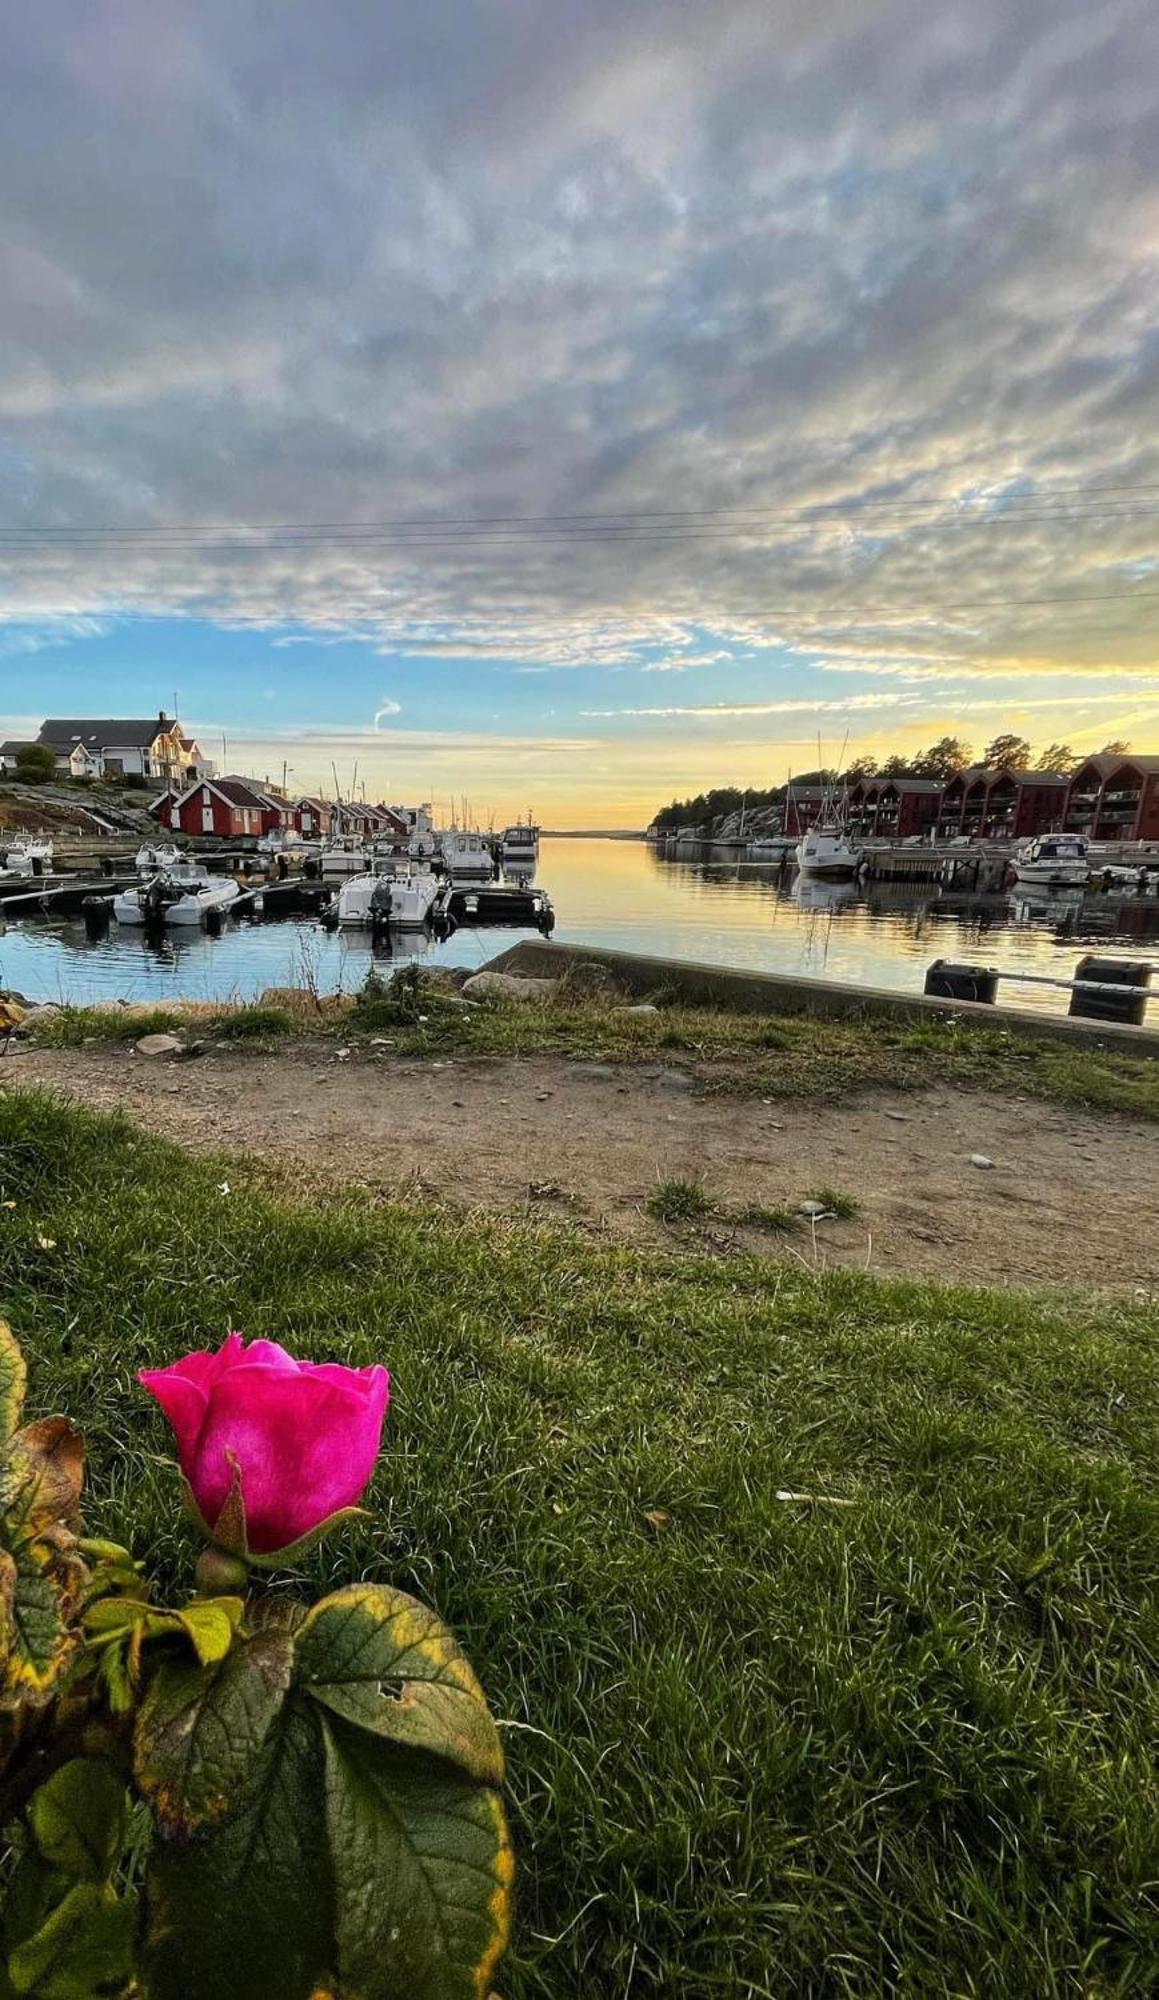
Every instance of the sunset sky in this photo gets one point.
(572, 404)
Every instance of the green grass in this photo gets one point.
(678, 1201)
(838, 1204)
(784, 1057)
(776, 1221)
(757, 1747)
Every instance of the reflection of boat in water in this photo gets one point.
(819, 896)
(828, 852)
(1053, 861)
(1031, 904)
(521, 872)
(772, 847)
(184, 894)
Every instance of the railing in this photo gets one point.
(1102, 989)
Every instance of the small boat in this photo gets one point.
(183, 894)
(1054, 861)
(393, 895)
(520, 843)
(28, 856)
(827, 851)
(153, 860)
(278, 839)
(347, 854)
(467, 856)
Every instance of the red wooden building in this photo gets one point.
(1001, 805)
(227, 808)
(893, 808)
(1115, 798)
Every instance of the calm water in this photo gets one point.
(618, 893)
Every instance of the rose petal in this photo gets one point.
(306, 1447)
(184, 1402)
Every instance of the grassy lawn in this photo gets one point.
(758, 1746)
(778, 1055)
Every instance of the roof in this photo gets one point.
(63, 731)
(13, 749)
(922, 785)
(1041, 777)
(239, 791)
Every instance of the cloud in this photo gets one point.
(589, 337)
(386, 708)
(808, 706)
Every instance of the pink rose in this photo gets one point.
(303, 1436)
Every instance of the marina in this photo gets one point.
(885, 931)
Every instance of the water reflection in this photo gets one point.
(622, 894)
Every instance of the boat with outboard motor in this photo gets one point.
(151, 860)
(827, 851)
(182, 894)
(393, 894)
(467, 855)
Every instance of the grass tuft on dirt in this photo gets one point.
(776, 1746)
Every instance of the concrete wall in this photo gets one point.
(786, 993)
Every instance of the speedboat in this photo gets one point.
(28, 856)
(183, 894)
(151, 860)
(827, 851)
(278, 839)
(393, 895)
(467, 856)
(1054, 861)
(520, 843)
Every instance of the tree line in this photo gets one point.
(942, 761)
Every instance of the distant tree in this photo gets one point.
(1007, 753)
(861, 767)
(943, 759)
(1114, 750)
(895, 767)
(35, 763)
(1058, 757)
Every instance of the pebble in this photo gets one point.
(158, 1045)
(980, 1160)
(813, 1208)
(899, 1117)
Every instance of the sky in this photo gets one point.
(568, 405)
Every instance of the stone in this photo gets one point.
(814, 1209)
(672, 1079)
(641, 1007)
(159, 1045)
(593, 1072)
(899, 1117)
(589, 977)
(980, 1160)
(509, 986)
(38, 1017)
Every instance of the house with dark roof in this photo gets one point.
(155, 748)
(1115, 798)
(893, 808)
(225, 808)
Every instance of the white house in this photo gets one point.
(155, 749)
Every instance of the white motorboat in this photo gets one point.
(828, 852)
(347, 854)
(520, 843)
(152, 860)
(183, 894)
(1054, 861)
(393, 895)
(467, 856)
(279, 839)
(29, 856)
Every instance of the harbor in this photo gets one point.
(619, 894)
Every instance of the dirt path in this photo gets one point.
(1071, 1198)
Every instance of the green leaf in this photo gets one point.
(211, 1623)
(200, 1730)
(422, 1872)
(83, 1945)
(37, 1641)
(79, 1817)
(388, 1664)
(358, 1848)
(13, 1377)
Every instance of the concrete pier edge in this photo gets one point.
(788, 993)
